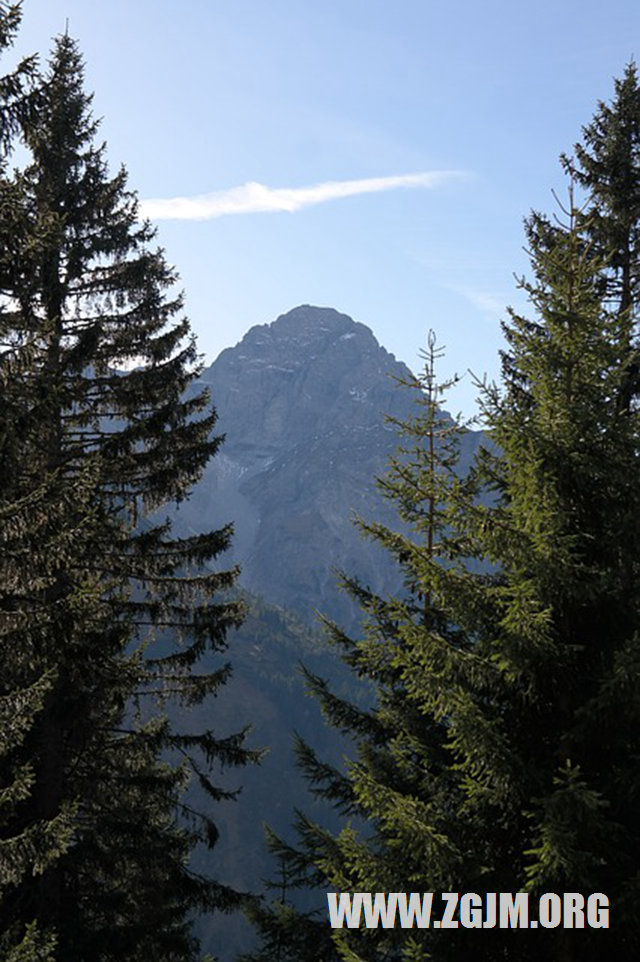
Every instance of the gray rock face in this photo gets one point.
(302, 402)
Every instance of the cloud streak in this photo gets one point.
(255, 198)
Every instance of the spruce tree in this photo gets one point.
(32, 534)
(19, 96)
(110, 428)
(569, 612)
(401, 792)
(502, 751)
(33, 540)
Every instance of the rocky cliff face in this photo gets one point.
(302, 402)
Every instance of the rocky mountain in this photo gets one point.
(302, 402)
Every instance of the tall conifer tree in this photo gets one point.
(111, 431)
(31, 527)
(502, 754)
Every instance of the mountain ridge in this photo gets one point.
(302, 402)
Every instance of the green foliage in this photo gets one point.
(286, 933)
(19, 94)
(607, 165)
(33, 947)
(502, 750)
(104, 613)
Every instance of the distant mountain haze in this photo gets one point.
(302, 402)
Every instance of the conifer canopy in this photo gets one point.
(105, 614)
(501, 754)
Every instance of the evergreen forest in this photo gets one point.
(489, 708)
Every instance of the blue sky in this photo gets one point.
(295, 125)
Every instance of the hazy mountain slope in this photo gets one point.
(266, 690)
(302, 402)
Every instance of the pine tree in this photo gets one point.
(502, 752)
(110, 418)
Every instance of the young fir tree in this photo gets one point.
(403, 782)
(502, 754)
(286, 933)
(108, 408)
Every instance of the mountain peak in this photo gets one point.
(311, 320)
(302, 402)
(306, 326)
(302, 373)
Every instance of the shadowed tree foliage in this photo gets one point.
(26, 527)
(106, 614)
(19, 95)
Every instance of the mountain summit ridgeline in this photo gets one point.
(302, 402)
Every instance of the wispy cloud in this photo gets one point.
(254, 198)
